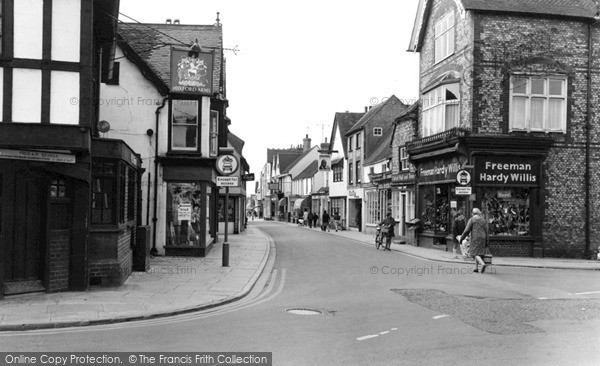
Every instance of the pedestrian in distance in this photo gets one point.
(315, 219)
(325, 221)
(458, 226)
(305, 217)
(310, 219)
(388, 225)
(337, 220)
(478, 229)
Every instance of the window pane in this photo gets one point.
(556, 87)
(520, 85)
(518, 113)
(452, 91)
(450, 36)
(185, 124)
(537, 86)
(555, 114)
(451, 116)
(537, 113)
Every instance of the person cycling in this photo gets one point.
(388, 223)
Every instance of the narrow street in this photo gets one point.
(360, 306)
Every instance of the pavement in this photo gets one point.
(177, 285)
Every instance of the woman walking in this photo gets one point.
(477, 227)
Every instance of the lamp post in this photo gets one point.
(226, 165)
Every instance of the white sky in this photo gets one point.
(300, 62)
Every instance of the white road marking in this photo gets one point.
(587, 293)
(440, 316)
(542, 298)
(386, 332)
(394, 329)
(367, 337)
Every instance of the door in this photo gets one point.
(22, 232)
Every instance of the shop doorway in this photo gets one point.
(23, 200)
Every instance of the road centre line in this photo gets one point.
(367, 337)
(440, 316)
(587, 293)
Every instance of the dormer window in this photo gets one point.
(377, 131)
(444, 37)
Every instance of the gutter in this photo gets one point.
(154, 251)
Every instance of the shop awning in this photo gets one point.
(283, 201)
(301, 203)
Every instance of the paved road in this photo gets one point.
(374, 308)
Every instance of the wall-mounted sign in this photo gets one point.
(247, 177)
(227, 164)
(439, 170)
(508, 170)
(463, 177)
(191, 74)
(273, 186)
(37, 156)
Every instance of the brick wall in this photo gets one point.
(488, 49)
(110, 257)
(58, 262)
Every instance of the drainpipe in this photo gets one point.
(587, 142)
(154, 251)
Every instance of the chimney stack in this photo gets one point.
(366, 109)
(176, 21)
(306, 145)
(168, 21)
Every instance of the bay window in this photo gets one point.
(214, 133)
(441, 109)
(538, 103)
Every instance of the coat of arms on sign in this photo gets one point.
(192, 71)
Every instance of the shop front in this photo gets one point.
(190, 207)
(436, 197)
(501, 175)
(508, 192)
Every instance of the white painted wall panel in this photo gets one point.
(27, 96)
(66, 24)
(64, 97)
(28, 29)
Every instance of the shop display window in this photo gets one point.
(230, 209)
(435, 208)
(183, 213)
(507, 211)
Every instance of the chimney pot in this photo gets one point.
(366, 109)
(168, 21)
(176, 21)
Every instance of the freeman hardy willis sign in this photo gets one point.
(191, 72)
(509, 171)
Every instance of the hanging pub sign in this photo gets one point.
(191, 73)
(508, 171)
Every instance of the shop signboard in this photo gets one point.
(227, 181)
(439, 170)
(507, 171)
(51, 157)
(192, 74)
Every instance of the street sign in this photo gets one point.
(463, 177)
(247, 177)
(227, 181)
(462, 191)
(227, 164)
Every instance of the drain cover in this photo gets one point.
(303, 312)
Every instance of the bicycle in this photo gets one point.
(380, 237)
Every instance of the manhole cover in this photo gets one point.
(303, 312)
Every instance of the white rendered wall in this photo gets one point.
(28, 29)
(64, 97)
(66, 24)
(130, 108)
(27, 96)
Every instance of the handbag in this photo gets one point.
(487, 257)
